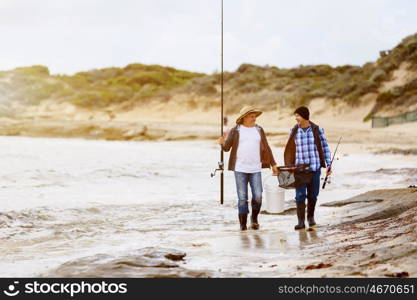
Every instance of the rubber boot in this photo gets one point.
(301, 214)
(254, 220)
(310, 213)
(242, 220)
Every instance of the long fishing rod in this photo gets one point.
(331, 163)
(221, 162)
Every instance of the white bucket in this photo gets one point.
(274, 196)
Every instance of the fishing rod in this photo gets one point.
(221, 162)
(331, 163)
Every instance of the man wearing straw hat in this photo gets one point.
(250, 152)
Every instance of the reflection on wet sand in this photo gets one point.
(250, 240)
(103, 208)
(307, 237)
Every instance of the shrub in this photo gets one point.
(385, 97)
(36, 70)
(245, 67)
(378, 75)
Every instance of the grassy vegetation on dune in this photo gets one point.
(260, 85)
(264, 85)
(135, 82)
(97, 88)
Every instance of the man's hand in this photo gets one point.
(275, 170)
(220, 141)
(329, 172)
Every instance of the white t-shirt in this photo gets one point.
(248, 158)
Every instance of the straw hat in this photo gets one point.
(247, 110)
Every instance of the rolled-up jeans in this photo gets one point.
(255, 182)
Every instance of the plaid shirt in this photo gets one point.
(306, 150)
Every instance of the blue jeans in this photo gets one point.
(310, 190)
(255, 182)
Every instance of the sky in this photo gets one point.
(70, 36)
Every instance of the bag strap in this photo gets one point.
(294, 131)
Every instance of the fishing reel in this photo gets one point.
(328, 179)
(220, 168)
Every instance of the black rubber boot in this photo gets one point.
(301, 214)
(242, 220)
(254, 220)
(310, 213)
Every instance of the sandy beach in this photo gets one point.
(106, 173)
(153, 123)
(168, 222)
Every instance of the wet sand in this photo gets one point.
(373, 237)
(377, 237)
(60, 218)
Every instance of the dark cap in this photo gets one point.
(303, 111)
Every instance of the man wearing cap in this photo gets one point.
(307, 144)
(250, 152)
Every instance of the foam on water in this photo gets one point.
(62, 200)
